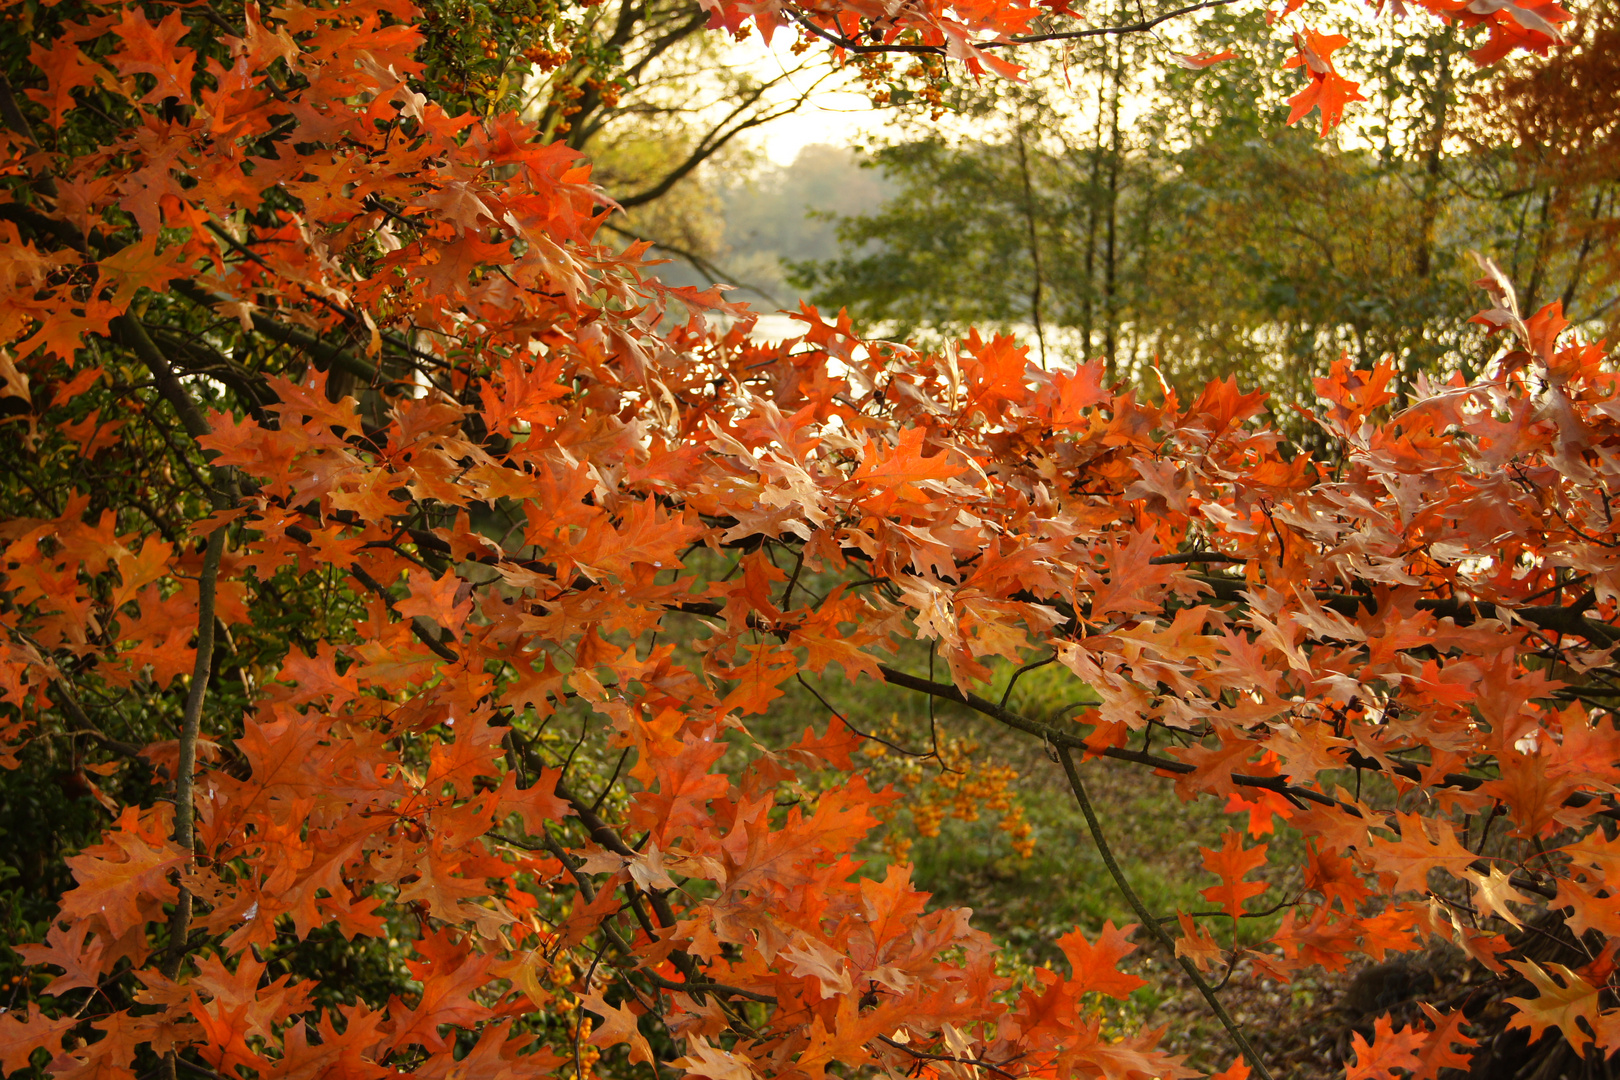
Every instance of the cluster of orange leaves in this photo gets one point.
(1389, 613)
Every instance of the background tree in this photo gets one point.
(1549, 131)
(655, 100)
(777, 210)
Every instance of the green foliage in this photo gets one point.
(946, 251)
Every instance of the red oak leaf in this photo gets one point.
(1231, 862)
(1325, 89)
(1096, 967)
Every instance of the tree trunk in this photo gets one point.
(1034, 245)
(1111, 252)
(1087, 295)
(1429, 209)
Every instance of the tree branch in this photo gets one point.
(716, 139)
(1151, 923)
(418, 624)
(1195, 557)
(705, 988)
(698, 262)
(134, 335)
(924, 1055)
(1278, 784)
(223, 493)
(851, 45)
(1064, 740)
(1107, 31)
(327, 355)
(190, 725)
(11, 112)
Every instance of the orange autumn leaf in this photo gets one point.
(1094, 967)
(1439, 1049)
(123, 883)
(399, 559)
(1231, 863)
(1563, 1000)
(1199, 61)
(21, 1035)
(619, 1026)
(1325, 88)
(1423, 845)
(1196, 944)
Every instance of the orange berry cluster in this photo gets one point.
(570, 94)
(546, 58)
(983, 786)
(588, 1055)
(400, 303)
(877, 72)
(609, 91)
(872, 69)
(963, 789)
(560, 975)
(1019, 831)
(930, 71)
(926, 818)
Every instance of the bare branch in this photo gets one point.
(721, 135)
(419, 626)
(190, 726)
(698, 262)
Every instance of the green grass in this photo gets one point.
(1026, 904)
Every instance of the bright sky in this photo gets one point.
(833, 116)
(835, 123)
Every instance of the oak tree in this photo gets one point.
(347, 467)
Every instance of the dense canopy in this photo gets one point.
(353, 483)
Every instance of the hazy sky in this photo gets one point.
(833, 116)
(836, 123)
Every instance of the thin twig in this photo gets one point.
(1019, 674)
(875, 738)
(924, 1055)
(705, 988)
(697, 262)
